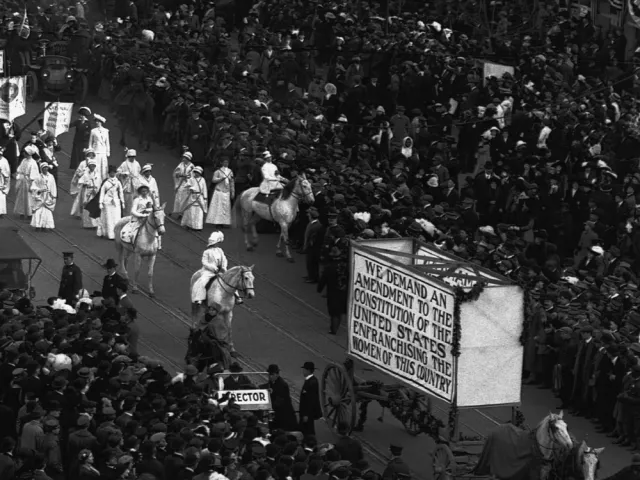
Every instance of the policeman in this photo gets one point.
(70, 280)
(396, 468)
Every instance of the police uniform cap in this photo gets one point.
(67, 254)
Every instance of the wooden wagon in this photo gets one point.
(427, 319)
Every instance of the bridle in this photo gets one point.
(554, 441)
(298, 181)
(149, 223)
(242, 288)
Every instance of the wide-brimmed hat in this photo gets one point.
(100, 118)
(215, 238)
(87, 110)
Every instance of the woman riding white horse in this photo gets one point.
(214, 261)
(140, 210)
(271, 179)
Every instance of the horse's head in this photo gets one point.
(157, 219)
(247, 280)
(555, 429)
(587, 461)
(303, 190)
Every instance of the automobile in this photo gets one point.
(52, 71)
(18, 264)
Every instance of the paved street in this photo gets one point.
(285, 324)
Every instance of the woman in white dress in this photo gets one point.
(147, 180)
(196, 205)
(26, 174)
(89, 188)
(99, 143)
(74, 190)
(111, 203)
(224, 190)
(181, 176)
(128, 174)
(141, 209)
(45, 195)
(5, 182)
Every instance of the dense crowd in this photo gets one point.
(534, 174)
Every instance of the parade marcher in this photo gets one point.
(5, 182)
(284, 416)
(146, 179)
(81, 137)
(44, 197)
(128, 173)
(181, 176)
(111, 280)
(271, 179)
(70, 279)
(27, 173)
(74, 189)
(194, 210)
(100, 144)
(141, 209)
(111, 204)
(48, 154)
(89, 185)
(219, 213)
(310, 409)
(214, 261)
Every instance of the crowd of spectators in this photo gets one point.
(534, 174)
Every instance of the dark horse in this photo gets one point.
(134, 106)
(204, 350)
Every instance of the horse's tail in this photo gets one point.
(236, 212)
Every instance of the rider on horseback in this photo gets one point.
(214, 261)
(271, 179)
(140, 211)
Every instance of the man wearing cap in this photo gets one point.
(26, 174)
(147, 180)
(81, 137)
(111, 204)
(181, 176)
(128, 173)
(100, 144)
(310, 409)
(44, 196)
(70, 279)
(396, 468)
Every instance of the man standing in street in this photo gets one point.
(310, 408)
(396, 468)
(71, 279)
(284, 416)
(313, 237)
(111, 281)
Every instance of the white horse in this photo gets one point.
(221, 300)
(144, 245)
(581, 464)
(283, 211)
(511, 453)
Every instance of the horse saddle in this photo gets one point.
(128, 233)
(266, 199)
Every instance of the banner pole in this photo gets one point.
(40, 113)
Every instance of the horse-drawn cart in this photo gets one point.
(448, 330)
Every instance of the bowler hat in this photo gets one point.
(272, 369)
(309, 366)
(235, 367)
(111, 263)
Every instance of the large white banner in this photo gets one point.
(495, 70)
(13, 99)
(402, 323)
(57, 117)
(1, 62)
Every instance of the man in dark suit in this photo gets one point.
(313, 237)
(70, 280)
(310, 408)
(111, 280)
(608, 385)
(237, 381)
(7, 463)
(124, 302)
(284, 416)
(584, 359)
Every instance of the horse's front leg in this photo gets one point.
(137, 260)
(228, 320)
(152, 262)
(284, 237)
(122, 260)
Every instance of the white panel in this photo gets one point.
(490, 363)
(390, 245)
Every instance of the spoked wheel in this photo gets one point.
(31, 85)
(444, 463)
(338, 397)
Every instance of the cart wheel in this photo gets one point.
(31, 85)
(444, 463)
(338, 397)
(81, 88)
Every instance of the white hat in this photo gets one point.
(148, 35)
(488, 229)
(266, 154)
(100, 118)
(70, 18)
(147, 167)
(84, 108)
(597, 250)
(44, 164)
(92, 162)
(343, 119)
(162, 83)
(131, 153)
(187, 155)
(521, 143)
(199, 170)
(215, 237)
(88, 151)
(30, 150)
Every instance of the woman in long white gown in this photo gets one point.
(181, 176)
(5, 183)
(140, 210)
(111, 203)
(89, 188)
(99, 143)
(26, 174)
(74, 190)
(146, 179)
(220, 207)
(45, 195)
(196, 205)
(128, 173)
